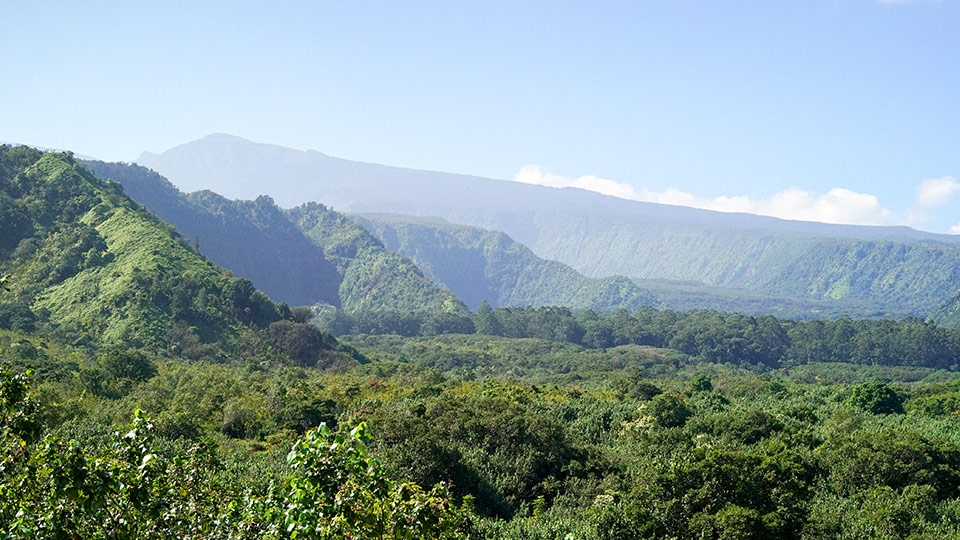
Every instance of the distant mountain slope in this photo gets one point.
(486, 265)
(85, 260)
(331, 260)
(373, 278)
(254, 239)
(888, 270)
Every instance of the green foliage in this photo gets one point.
(334, 488)
(17, 316)
(626, 449)
(755, 342)
(701, 383)
(126, 364)
(373, 279)
(876, 397)
(300, 341)
(863, 460)
(632, 385)
(488, 442)
(537, 361)
(485, 321)
(668, 410)
(339, 491)
(18, 424)
(726, 492)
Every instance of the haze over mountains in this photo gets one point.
(481, 265)
(805, 268)
(311, 254)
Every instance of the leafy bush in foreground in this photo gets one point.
(334, 489)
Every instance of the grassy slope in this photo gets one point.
(102, 266)
(251, 238)
(113, 301)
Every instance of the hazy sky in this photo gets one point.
(838, 110)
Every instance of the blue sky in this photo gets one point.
(837, 110)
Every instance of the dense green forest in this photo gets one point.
(147, 393)
(711, 336)
(474, 437)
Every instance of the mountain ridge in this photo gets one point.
(338, 250)
(602, 236)
(89, 263)
(481, 265)
(260, 241)
(215, 173)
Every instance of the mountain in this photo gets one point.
(84, 261)
(865, 271)
(373, 278)
(312, 254)
(488, 265)
(254, 239)
(479, 265)
(302, 257)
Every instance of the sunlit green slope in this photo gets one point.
(90, 264)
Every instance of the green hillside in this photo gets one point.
(481, 265)
(310, 255)
(948, 314)
(84, 263)
(373, 278)
(892, 276)
(253, 239)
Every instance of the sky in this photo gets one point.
(846, 111)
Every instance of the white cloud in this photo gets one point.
(836, 206)
(937, 191)
(531, 174)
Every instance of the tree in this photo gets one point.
(485, 321)
(669, 410)
(131, 365)
(876, 397)
(339, 491)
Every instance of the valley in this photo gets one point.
(206, 365)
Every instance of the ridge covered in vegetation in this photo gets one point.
(480, 265)
(305, 256)
(803, 269)
(83, 263)
(373, 278)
